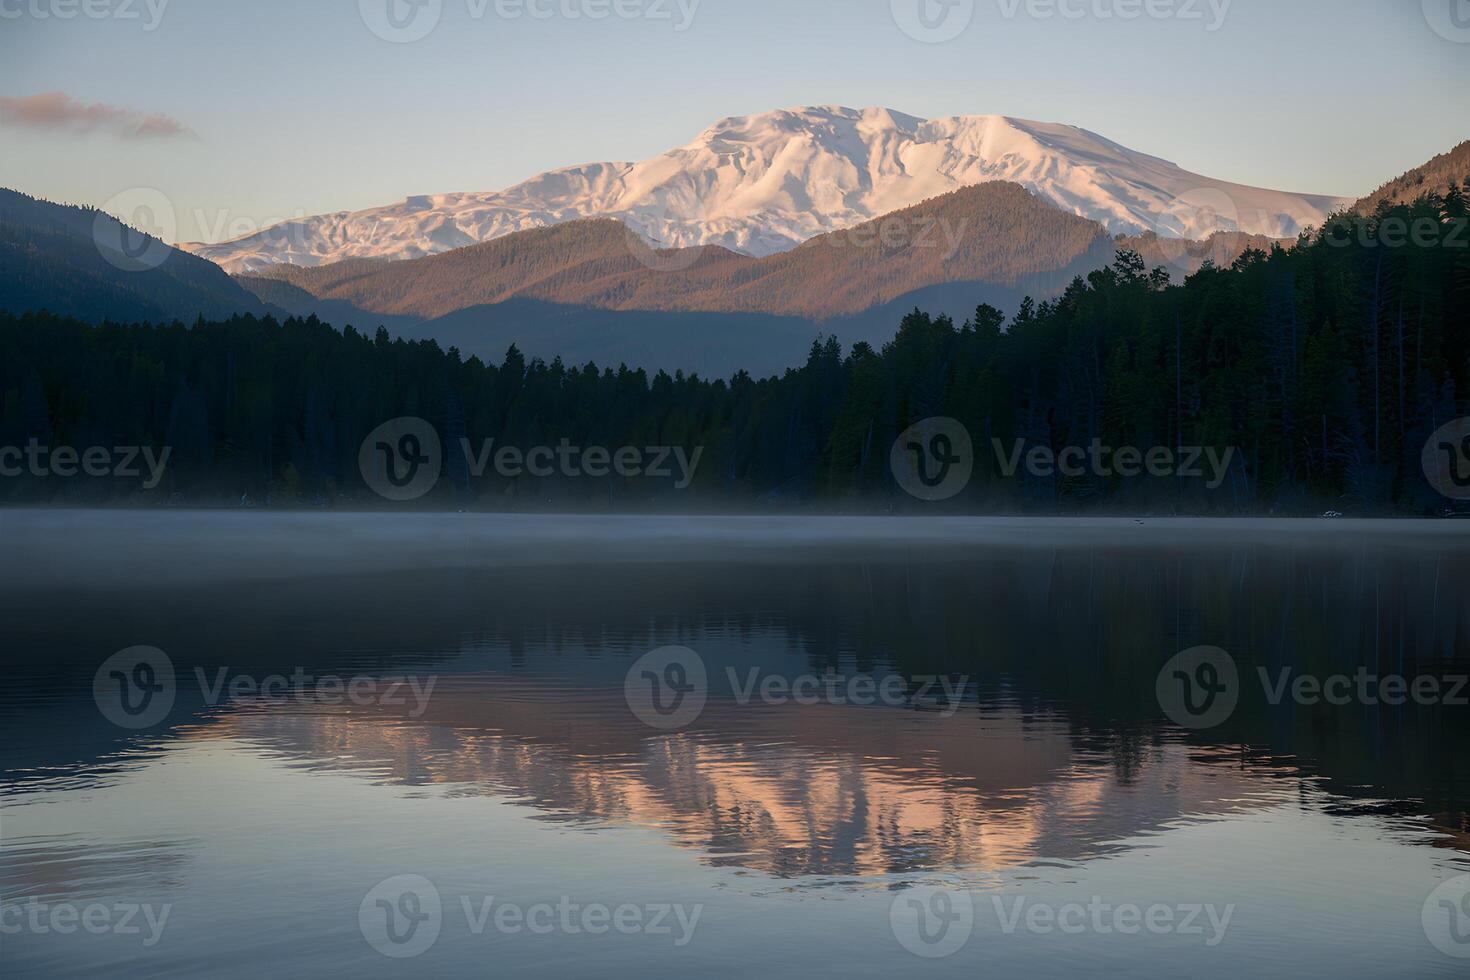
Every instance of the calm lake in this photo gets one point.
(368, 745)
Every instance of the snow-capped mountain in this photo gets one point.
(763, 184)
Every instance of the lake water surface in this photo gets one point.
(372, 745)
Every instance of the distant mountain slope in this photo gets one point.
(593, 291)
(995, 233)
(712, 345)
(63, 259)
(765, 183)
(1183, 257)
(1451, 169)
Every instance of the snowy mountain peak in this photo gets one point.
(765, 183)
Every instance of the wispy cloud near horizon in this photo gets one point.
(59, 112)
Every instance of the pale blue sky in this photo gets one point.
(296, 107)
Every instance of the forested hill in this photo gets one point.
(1449, 169)
(1319, 372)
(82, 262)
(996, 232)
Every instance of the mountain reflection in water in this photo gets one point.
(1057, 757)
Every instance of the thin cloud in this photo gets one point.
(59, 112)
(154, 126)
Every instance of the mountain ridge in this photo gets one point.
(1438, 175)
(765, 183)
(81, 262)
(998, 233)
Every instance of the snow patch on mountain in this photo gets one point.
(765, 183)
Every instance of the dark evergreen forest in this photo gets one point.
(1325, 366)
